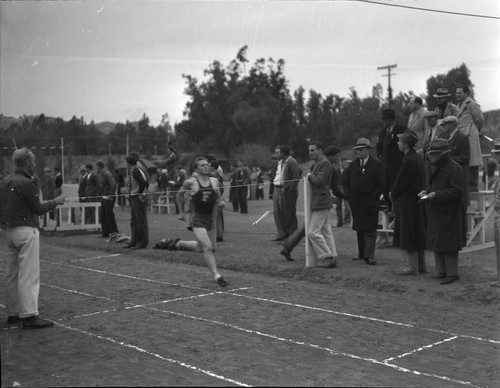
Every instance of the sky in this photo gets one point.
(117, 60)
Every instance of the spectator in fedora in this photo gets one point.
(363, 184)
(388, 151)
(496, 190)
(409, 222)
(470, 121)
(444, 106)
(446, 228)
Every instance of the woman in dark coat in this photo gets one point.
(409, 224)
(446, 227)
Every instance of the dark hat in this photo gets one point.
(388, 114)
(331, 150)
(441, 93)
(409, 137)
(496, 144)
(439, 145)
(431, 113)
(362, 143)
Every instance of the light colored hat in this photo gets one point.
(449, 119)
(46, 169)
(496, 144)
(362, 143)
(441, 93)
(82, 168)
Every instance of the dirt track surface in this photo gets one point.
(156, 318)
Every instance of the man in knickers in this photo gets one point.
(205, 194)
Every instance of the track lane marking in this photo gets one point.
(421, 348)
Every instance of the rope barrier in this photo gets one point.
(174, 192)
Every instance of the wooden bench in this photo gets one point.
(477, 214)
(71, 216)
(163, 203)
(386, 227)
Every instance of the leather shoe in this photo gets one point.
(286, 253)
(34, 322)
(450, 279)
(277, 239)
(370, 262)
(438, 276)
(13, 320)
(357, 258)
(406, 272)
(328, 262)
(128, 246)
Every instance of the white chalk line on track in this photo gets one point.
(285, 303)
(288, 304)
(271, 336)
(125, 276)
(96, 257)
(238, 328)
(141, 350)
(420, 349)
(366, 318)
(331, 351)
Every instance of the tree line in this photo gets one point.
(231, 107)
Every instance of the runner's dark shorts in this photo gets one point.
(201, 220)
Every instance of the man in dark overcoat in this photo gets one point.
(446, 229)
(409, 223)
(388, 151)
(363, 183)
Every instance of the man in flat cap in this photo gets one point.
(363, 183)
(388, 151)
(446, 224)
(409, 222)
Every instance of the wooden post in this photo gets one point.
(310, 255)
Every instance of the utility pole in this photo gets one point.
(389, 89)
